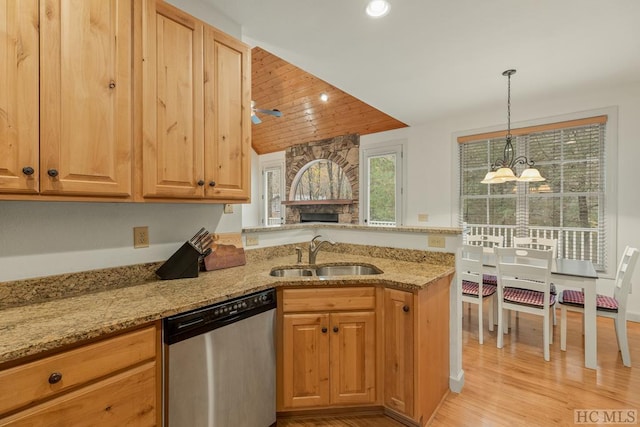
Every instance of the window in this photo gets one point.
(382, 184)
(321, 179)
(568, 206)
(272, 189)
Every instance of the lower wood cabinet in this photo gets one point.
(398, 351)
(110, 382)
(327, 358)
(366, 347)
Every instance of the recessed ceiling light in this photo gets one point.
(378, 8)
(324, 97)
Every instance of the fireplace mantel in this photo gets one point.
(317, 202)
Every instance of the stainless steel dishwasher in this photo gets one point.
(220, 364)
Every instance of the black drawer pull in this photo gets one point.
(55, 378)
(405, 308)
(52, 173)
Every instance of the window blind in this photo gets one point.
(568, 206)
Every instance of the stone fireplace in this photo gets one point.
(341, 150)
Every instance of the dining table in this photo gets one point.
(571, 273)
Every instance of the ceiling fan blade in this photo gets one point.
(255, 119)
(273, 112)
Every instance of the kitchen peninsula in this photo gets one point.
(40, 318)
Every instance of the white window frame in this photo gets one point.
(399, 148)
(611, 176)
(264, 167)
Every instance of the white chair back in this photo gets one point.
(469, 264)
(524, 268)
(485, 240)
(623, 277)
(541, 243)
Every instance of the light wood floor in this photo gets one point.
(514, 386)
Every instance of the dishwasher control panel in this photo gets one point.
(185, 325)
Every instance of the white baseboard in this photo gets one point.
(633, 317)
(456, 383)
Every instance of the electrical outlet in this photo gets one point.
(252, 240)
(436, 241)
(141, 237)
(423, 217)
(228, 208)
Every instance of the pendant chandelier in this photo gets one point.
(503, 170)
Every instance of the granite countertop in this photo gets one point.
(29, 329)
(340, 226)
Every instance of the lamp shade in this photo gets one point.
(504, 175)
(531, 175)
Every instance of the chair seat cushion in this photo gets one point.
(471, 289)
(576, 298)
(488, 279)
(527, 297)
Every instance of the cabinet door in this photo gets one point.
(19, 96)
(173, 142)
(86, 97)
(305, 358)
(353, 355)
(398, 355)
(227, 117)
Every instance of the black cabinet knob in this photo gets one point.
(52, 173)
(55, 378)
(212, 183)
(27, 170)
(405, 308)
(112, 84)
(335, 329)
(324, 330)
(201, 183)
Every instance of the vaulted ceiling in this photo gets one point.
(277, 84)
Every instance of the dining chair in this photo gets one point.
(612, 307)
(469, 276)
(523, 286)
(487, 242)
(540, 243)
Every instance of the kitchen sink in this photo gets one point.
(292, 272)
(326, 270)
(347, 270)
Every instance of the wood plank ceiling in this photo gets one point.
(276, 84)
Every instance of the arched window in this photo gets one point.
(320, 179)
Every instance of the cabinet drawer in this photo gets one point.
(28, 383)
(127, 398)
(328, 299)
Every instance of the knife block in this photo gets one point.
(183, 264)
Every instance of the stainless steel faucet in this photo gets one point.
(315, 245)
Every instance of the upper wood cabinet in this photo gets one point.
(227, 115)
(195, 108)
(19, 96)
(77, 74)
(86, 97)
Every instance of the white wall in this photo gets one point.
(45, 238)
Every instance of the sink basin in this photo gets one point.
(346, 270)
(292, 272)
